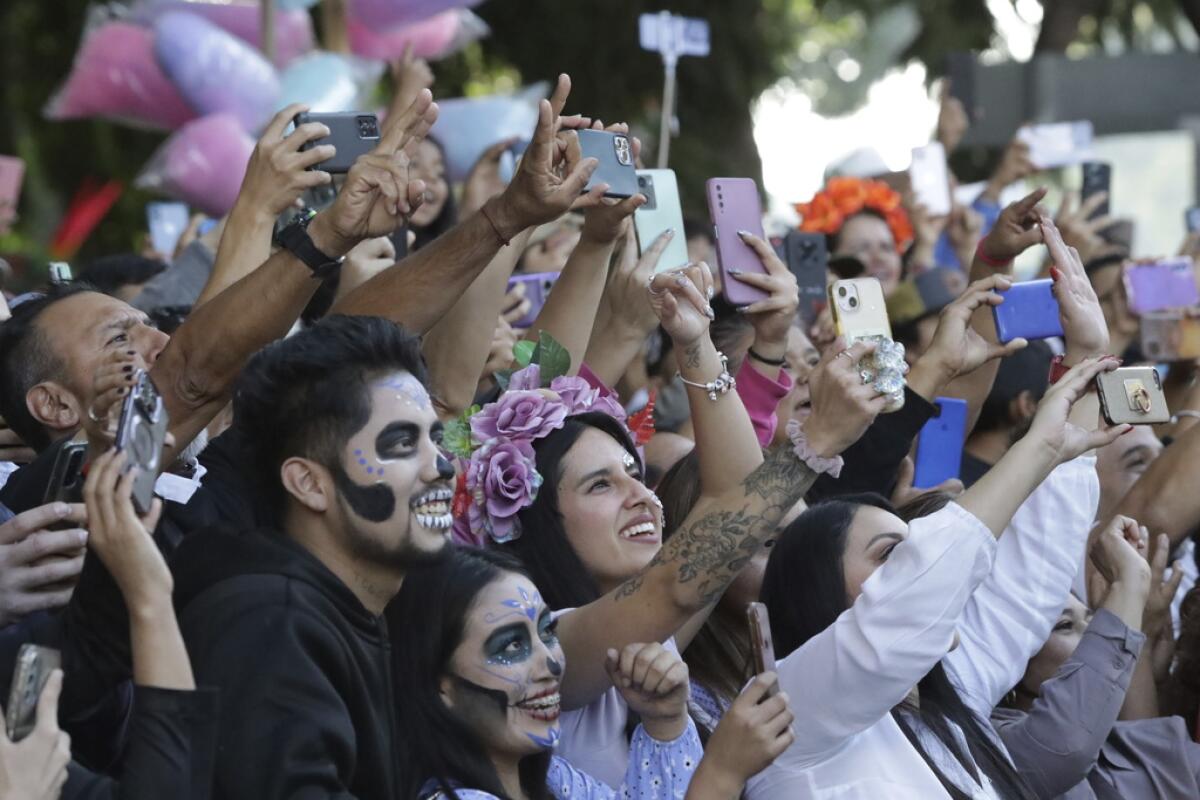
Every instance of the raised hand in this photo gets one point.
(957, 348)
(484, 181)
(625, 300)
(1015, 165)
(120, 538)
(905, 492)
(1157, 619)
(774, 316)
(654, 683)
(379, 195)
(39, 565)
(409, 76)
(278, 172)
(1082, 233)
(680, 301)
(1116, 557)
(1051, 428)
(606, 221)
(964, 229)
(755, 731)
(843, 407)
(1016, 230)
(35, 768)
(114, 379)
(1084, 327)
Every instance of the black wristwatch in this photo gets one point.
(295, 239)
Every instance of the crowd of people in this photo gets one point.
(415, 538)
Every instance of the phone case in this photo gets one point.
(762, 646)
(1132, 395)
(1191, 219)
(66, 476)
(142, 431)
(808, 259)
(1029, 311)
(1057, 144)
(662, 212)
(166, 222)
(1097, 178)
(1170, 336)
(353, 133)
(537, 289)
(859, 310)
(614, 151)
(33, 668)
(940, 443)
(1166, 284)
(930, 178)
(733, 206)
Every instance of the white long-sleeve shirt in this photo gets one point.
(844, 681)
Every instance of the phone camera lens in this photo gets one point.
(841, 291)
(854, 302)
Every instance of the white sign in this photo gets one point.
(673, 36)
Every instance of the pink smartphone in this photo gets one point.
(1161, 285)
(733, 206)
(12, 172)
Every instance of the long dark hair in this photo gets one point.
(438, 748)
(804, 588)
(543, 546)
(444, 221)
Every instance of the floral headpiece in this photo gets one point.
(844, 197)
(494, 444)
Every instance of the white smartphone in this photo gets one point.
(1058, 144)
(930, 179)
(661, 212)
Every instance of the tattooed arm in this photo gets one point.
(718, 538)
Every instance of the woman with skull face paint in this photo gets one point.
(480, 717)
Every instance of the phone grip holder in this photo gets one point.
(885, 370)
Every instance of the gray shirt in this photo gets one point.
(1070, 744)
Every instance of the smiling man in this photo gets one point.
(342, 436)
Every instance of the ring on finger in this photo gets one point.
(846, 353)
(91, 412)
(650, 288)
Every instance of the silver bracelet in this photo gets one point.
(724, 382)
(1187, 412)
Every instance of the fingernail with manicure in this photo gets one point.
(712, 292)
(744, 234)
(708, 312)
(681, 280)
(735, 272)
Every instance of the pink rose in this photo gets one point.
(525, 415)
(502, 479)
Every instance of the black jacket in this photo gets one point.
(304, 670)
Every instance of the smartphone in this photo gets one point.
(733, 206)
(808, 259)
(141, 432)
(859, 310)
(614, 151)
(761, 644)
(1029, 311)
(1132, 395)
(166, 223)
(510, 158)
(1057, 144)
(930, 179)
(66, 476)
(1170, 336)
(34, 665)
(960, 71)
(1097, 178)
(662, 212)
(1161, 285)
(537, 289)
(60, 272)
(940, 443)
(353, 133)
(1191, 219)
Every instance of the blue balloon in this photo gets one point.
(216, 71)
(328, 82)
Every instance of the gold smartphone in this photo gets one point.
(762, 646)
(1132, 395)
(34, 665)
(859, 309)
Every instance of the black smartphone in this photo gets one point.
(400, 242)
(614, 151)
(66, 476)
(141, 432)
(34, 665)
(1097, 178)
(960, 71)
(353, 133)
(1191, 218)
(807, 258)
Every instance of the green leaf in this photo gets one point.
(502, 378)
(523, 352)
(457, 435)
(552, 357)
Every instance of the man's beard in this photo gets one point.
(404, 556)
(377, 503)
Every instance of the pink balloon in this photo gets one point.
(202, 164)
(293, 28)
(215, 70)
(393, 13)
(116, 76)
(429, 38)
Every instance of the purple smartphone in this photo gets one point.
(1165, 284)
(733, 206)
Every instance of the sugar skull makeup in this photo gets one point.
(507, 669)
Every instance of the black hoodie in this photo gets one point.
(304, 670)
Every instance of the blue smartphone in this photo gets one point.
(1029, 311)
(167, 222)
(940, 443)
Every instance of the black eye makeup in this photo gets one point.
(397, 440)
(509, 645)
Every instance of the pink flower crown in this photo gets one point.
(494, 444)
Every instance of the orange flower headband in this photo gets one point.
(842, 198)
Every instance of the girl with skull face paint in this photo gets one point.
(482, 676)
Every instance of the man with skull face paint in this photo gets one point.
(345, 442)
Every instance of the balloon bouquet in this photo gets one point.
(195, 68)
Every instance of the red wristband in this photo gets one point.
(991, 262)
(483, 210)
(1058, 369)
